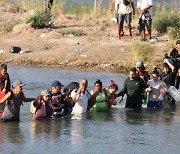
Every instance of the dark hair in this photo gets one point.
(133, 69)
(155, 71)
(166, 65)
(98, 82)
(113, 85)
(177, 42)
(3, 66)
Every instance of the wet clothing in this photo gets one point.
(12, 108)
(169, 80)
(154, 104)
(145, 76)
(176, 59)
(134, 90)
(81, 104)
(155, 93)
(174, 53)
(101, 101)
(56, 106)
(43, 109)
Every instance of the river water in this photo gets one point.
(117, 131)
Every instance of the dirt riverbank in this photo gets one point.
(98, 49)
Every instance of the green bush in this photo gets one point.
(75, 32)
(8, 27)
(174, 33)
(165, 18)
(40, 20)
(142, 50)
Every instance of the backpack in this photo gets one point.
(71, 86)
(14, 49)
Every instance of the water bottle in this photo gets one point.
(162, 93)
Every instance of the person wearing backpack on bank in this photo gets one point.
(125, 9)
(144, 8)
(14, 99)
(134, 87)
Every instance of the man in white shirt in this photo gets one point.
(80, 97)
(125, 8)
(145, 9)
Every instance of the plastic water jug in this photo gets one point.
(174, 93)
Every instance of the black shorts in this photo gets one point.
(127, 17)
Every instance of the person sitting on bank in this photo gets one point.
(44, 106)
(154, 100)
(14, 99)
(168, 76)
(80, 97)
(141, 71)
(134, 87)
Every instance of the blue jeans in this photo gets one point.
(154, 104)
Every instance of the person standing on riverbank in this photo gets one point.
(80, 97)
(14, 99)
(144, 8)
(134, 87)
(125, 8)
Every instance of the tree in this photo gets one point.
(49, 5)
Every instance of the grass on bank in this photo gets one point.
(75, 32)
(143, 51)
(167, 20)
(40, 20)
(8, 27)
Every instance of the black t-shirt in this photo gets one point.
(169, 79)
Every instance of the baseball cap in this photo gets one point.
(17, 83)
(57, 83)
(140, 64)
(45, 92)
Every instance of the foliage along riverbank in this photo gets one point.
(86, 41)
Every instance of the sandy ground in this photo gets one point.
(98, 49)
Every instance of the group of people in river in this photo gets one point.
(76, 99)
(124, 9)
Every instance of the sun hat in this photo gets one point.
(17, 83)
(57, 84)
(45, 92)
